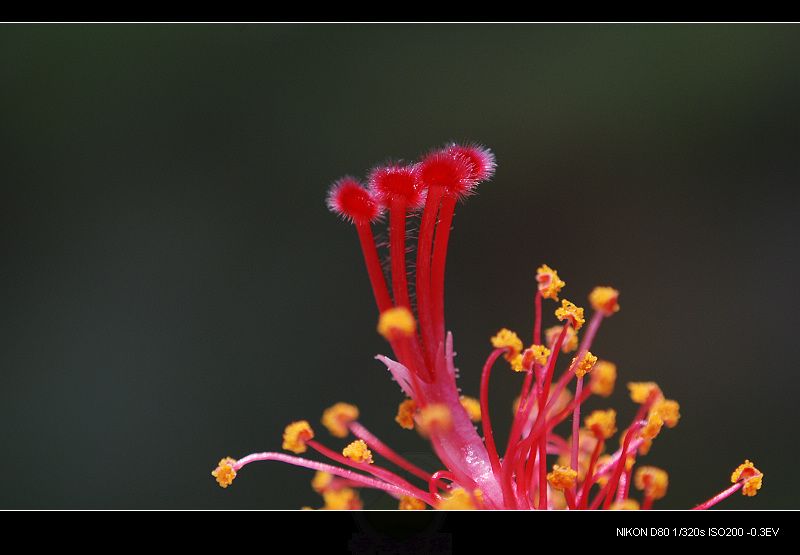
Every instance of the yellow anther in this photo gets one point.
(549, 283)
(653, 481)
(641, 391)
(534, 354)
(604, 375)
(569, 311)
(296, 435)
(435, 417)
(224, 473)
(562, 477)
(395, 323)
(669, 411)
(338, 417)
(459, 500)
(584, 365)
(408, 503)
(321, 480)
(540, 354)
(405, 414)
(653, 426)
(472, 406)
(602, 423)
(604, 299)
(625, 505)
(341, 499)
(358, 452)
(751, 476)
(506, 339)
(752, 486)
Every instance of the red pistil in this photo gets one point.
(449, 174)
(481, 160)
(441, 178)
(399, 189)
(351, 200)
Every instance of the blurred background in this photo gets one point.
(174, 290)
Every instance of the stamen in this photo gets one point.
(382, 449)
(224, 473)
(549, 283)
(296, 435)
(540, 354)
(460, 499)
(652, 428)
(473, 407)
(751, 477)
(584, 365)
(603, 378)
(669, 411)
(396, 487)
(602, 423)
(408, 503)
(344, 499)
(641, 392)
(653, 481)
(405, 414)
(581, 368)
(509, 341)
(572, 313)
(562, 477)
(604, 299)
(357, 451)
(338, 417)
(488, 436)
(396, 323)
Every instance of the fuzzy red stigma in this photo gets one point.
(395, 183)
(352, 201)
(481, 159)
(448, 172)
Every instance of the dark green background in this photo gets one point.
(174, 290)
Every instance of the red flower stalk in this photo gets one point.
(539, 469)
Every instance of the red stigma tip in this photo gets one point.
(481, 159)
(352, 201)
(394, 182)
(442, 168)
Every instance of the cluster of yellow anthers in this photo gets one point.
(342, 419)
(599, 425)
(592, 467)
(539, 468)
